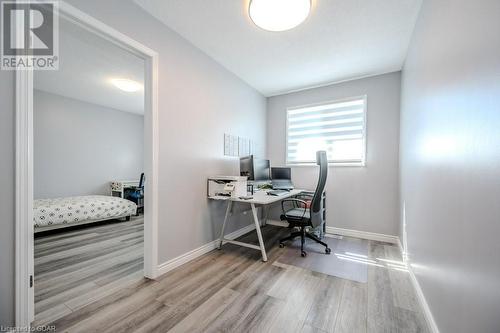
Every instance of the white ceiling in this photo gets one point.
(341, 40)
(86, 64)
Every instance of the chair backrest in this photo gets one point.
(317, 201)
(142, 180)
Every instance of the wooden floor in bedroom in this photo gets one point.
(228, 290)
(76, 267)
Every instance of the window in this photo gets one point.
(338, 127)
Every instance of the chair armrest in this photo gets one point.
(135, 188)
(305, 195)
(295, 201)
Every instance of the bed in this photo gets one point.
(57, 213)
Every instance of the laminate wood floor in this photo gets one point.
(76, 267)
(232, 290)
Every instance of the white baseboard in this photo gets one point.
(348, 233)
(363, 235)
(193, 254)
(423, 302)
(420, 294)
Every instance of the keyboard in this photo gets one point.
(282, 184)
(278, 192)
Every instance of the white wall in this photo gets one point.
(199, 100)
(450, 162)
(80, 147)
(359, 198)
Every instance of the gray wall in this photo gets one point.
(80, 147)
(199, 100)
(7, 197)
(450, 162)
(359, 198)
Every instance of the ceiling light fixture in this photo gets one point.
(126, 85)
(278, 15)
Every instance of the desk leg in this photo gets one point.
(259, 235)
(228, 211)
(265, 211)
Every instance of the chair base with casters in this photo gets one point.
(305, 213)
(303, 234)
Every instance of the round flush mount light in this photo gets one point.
(126, 85)
(278, 15)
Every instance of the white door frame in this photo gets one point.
(24, 294)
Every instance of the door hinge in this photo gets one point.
(31, 281)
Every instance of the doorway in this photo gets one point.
(25, 160)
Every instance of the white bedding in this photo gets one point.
(47, 212)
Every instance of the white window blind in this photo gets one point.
(337, 127)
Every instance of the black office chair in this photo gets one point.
(136, 194)
(302, 216)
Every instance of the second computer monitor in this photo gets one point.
(254, 168)
(261, 169)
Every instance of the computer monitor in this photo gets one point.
(246, 167)
(254, 168)
(261, 169)
(281, 173)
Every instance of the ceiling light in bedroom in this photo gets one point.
(278, 15)
(126, 85)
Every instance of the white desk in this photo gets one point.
(118, 187)
(259, 198)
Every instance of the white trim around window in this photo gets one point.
(338, 125)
